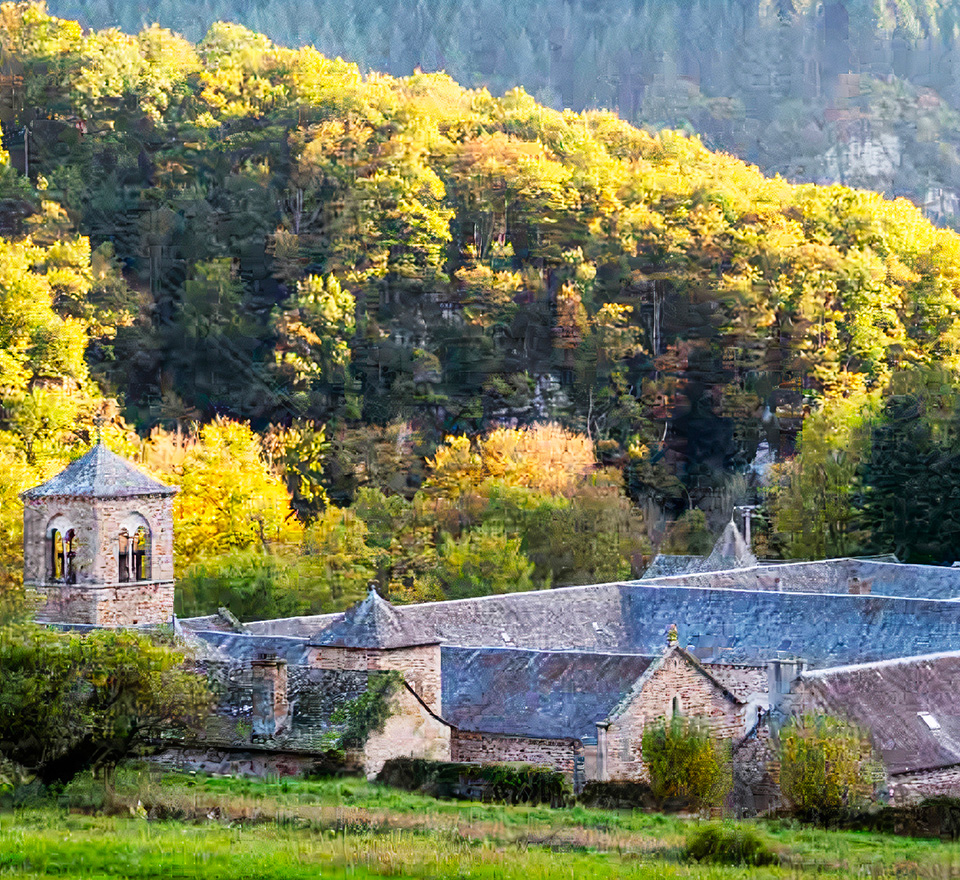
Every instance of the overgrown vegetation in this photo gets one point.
(827, 767)
(368, 712)
(728, 844)
(505, 783)
(70, 702)
(686, 761)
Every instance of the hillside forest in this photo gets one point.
(397, 330)
(842, 91)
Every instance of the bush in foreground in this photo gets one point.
(725, 844)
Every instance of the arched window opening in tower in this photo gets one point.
(70, 557)
(141, 554)
(56, 555)
(123, 573)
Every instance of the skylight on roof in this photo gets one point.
(929, 720)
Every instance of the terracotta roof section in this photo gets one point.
(908, 705)
(375, 623)
(99, 473)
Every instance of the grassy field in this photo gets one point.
(176, 826)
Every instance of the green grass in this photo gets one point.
(234, 828)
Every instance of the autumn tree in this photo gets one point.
(76, 701)
(827, 765)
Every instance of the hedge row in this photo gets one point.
(509, 783)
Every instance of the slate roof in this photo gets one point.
(717, 625)
(553, 694)
(830, 576)
(885, 699)
(244, 648)
(375, 623)
(730, 551)
(669, 565)
(99, 473)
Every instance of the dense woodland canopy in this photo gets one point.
(849, 91)
(349, 315)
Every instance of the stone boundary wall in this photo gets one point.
(493, 748)
(908, 788)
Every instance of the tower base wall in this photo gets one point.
(150, 602)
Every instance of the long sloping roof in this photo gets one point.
(881, 577)
(100, 473)
(718, 625)
(375, 623)
(886, 698)
(552, 694)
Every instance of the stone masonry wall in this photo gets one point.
(410, 731)
(97, 523)
(490, 748)
(907, 788)
(142, 603)
(622, 757)
(98, 597)
(420, 666)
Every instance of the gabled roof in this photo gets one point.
(889, 699)
(637, 687)
(880, 577)
(374, 623)
(672, 565)
(551, 694)
(99, 473)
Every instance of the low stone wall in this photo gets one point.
(239, 762)
(493, 748)
(908, 788)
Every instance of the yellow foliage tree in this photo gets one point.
(229, 498)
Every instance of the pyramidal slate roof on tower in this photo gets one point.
(100, 473)
(730, 552)
(375, 623)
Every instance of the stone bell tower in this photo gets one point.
(98, 543)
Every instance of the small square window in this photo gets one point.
(929, 720)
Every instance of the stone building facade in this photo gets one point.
(98, 544)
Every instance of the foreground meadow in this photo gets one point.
(178, 826)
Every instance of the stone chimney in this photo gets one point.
(858, 587)
(271, 707)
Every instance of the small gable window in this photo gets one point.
(677, 708)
